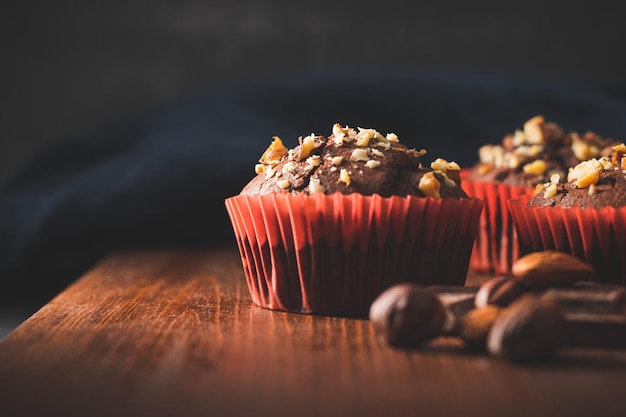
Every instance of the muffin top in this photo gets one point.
(593, 183)
(353, 161)
(534, 154)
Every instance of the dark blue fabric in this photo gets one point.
(159, 179)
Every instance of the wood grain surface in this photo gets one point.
(175, 333)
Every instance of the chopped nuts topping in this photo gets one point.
(274, 153)
(312, 162)
(315, 186)
(306, 146)
(555, 178)
(586, 173)
(365, 145)
(444, 166)
(344, 176)
(550, 191)
(492, 155)
(536, 167)
(519, 138)
(365, 135)
(484, 169)
(429, 185)
(549, 188)
(415, 152)
(339, 133)
(592, 189)
(290, 168)
(582, 149)
(618, 156)
(376, 152)
(511, 160)
(359, 155)
(533, 130)
(528, 151)
(269, 172)
(392, 137)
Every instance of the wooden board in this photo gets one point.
(175, 333)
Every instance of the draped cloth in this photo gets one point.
(159, 178)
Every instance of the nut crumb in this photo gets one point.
(538, 167)
(586, 173)
(344, 176)
(444, 166)
(376, 152)
(337, 160)
(550, 191)
(315, 186)
(306, 146)
(359, 154)
(533, 130)
(392, 137)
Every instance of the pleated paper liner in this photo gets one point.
(496, 247)
(594, 236)
(334, 254)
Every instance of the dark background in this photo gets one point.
(70, 67)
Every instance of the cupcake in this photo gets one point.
(585, 216)
(327, 226)
(513, 168)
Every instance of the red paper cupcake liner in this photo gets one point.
(597, 237)
(334, 254)
(496, 246)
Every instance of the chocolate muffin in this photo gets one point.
(327, 226)
(353, 161)
(594, 183)
(585, 217)
(530, 156)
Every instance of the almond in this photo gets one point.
(551, 269)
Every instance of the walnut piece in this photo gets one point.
(536, 167)
(586, 173)
(344, 176)
(429, 185)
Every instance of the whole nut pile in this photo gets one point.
(550, 302)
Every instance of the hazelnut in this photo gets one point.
(407, 315)
(499, 291)
(529, 329)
